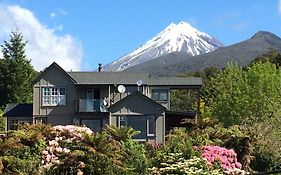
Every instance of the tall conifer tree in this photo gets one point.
(16, 72)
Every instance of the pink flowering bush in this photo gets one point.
(225, 158)
(77, 150)
(57, 143)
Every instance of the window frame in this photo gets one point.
(158, 96)
(13, 124)
(149, 123)
(124, 119)
(40, 120)
(52, 96)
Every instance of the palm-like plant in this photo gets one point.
(123, 133)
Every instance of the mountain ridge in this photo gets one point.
(242, 53)
(181, 37)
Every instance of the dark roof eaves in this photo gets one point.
(139, 94)
(16, 106)
(53, 64)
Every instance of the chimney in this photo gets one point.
(100, 67)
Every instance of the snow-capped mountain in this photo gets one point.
(181, 37)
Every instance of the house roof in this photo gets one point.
(18, 110)
(130, 78)
(126, 78)
(54, 64)
(137, 93)
(180, 81)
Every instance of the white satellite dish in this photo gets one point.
(121, 88)
(139, 82)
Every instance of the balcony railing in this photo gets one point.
(90, 105)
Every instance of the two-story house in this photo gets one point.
(97, 99)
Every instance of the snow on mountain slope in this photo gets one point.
(181, 37)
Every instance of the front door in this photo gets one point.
(97, 100)
(89, 100)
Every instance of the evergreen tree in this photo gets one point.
(16, 72)
(250, 96)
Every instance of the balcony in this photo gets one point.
(90, 105)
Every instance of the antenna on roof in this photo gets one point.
(121, 88)
(100, 67)
(139, 83)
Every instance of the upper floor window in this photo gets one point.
(160, 94)
(53, 96)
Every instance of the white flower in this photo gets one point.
(45, 152)
(58, 149)
(66, 150)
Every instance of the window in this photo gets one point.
(41, 120)
(139, 124)
(93, 124)
(151, 125)
(122, 121)
(144, 124)
(160, 95)
(75, 121)
(53, 96)
(13, 124)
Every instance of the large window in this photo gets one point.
(53, 96)
(160, 94)
(94, 124)
(144, 124)
(41, 120)
(15, 122)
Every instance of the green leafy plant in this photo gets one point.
(122, 133)
(135, 158)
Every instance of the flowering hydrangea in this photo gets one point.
(54, 149)
(227, 158)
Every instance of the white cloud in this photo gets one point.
(59, 13)
(53, 14)
(279, 6)
(44, 45)
(240, 26)
(63, 12)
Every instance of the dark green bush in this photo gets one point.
(136, 159)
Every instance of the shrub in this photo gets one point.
(136, 159)
(76, 149)
(176, 164)
(20, 152)
(227, 159)
(178, 141)
(122, 133)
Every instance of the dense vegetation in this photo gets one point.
(239, 120)
(42, 149)
(249, 98)
(16, 72)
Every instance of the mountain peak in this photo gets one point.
(263, 35)
(182, 28)
(180, 37)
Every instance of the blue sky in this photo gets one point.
(80, 34)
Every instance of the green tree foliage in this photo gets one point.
(121, 134)
(272, 56)
(16, 72)
(2, 123)
(186, 100)
(246, 97)
(20, 151)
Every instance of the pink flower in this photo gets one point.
(226, 158)
(45, 152)
(238, 165)
(195, 148)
